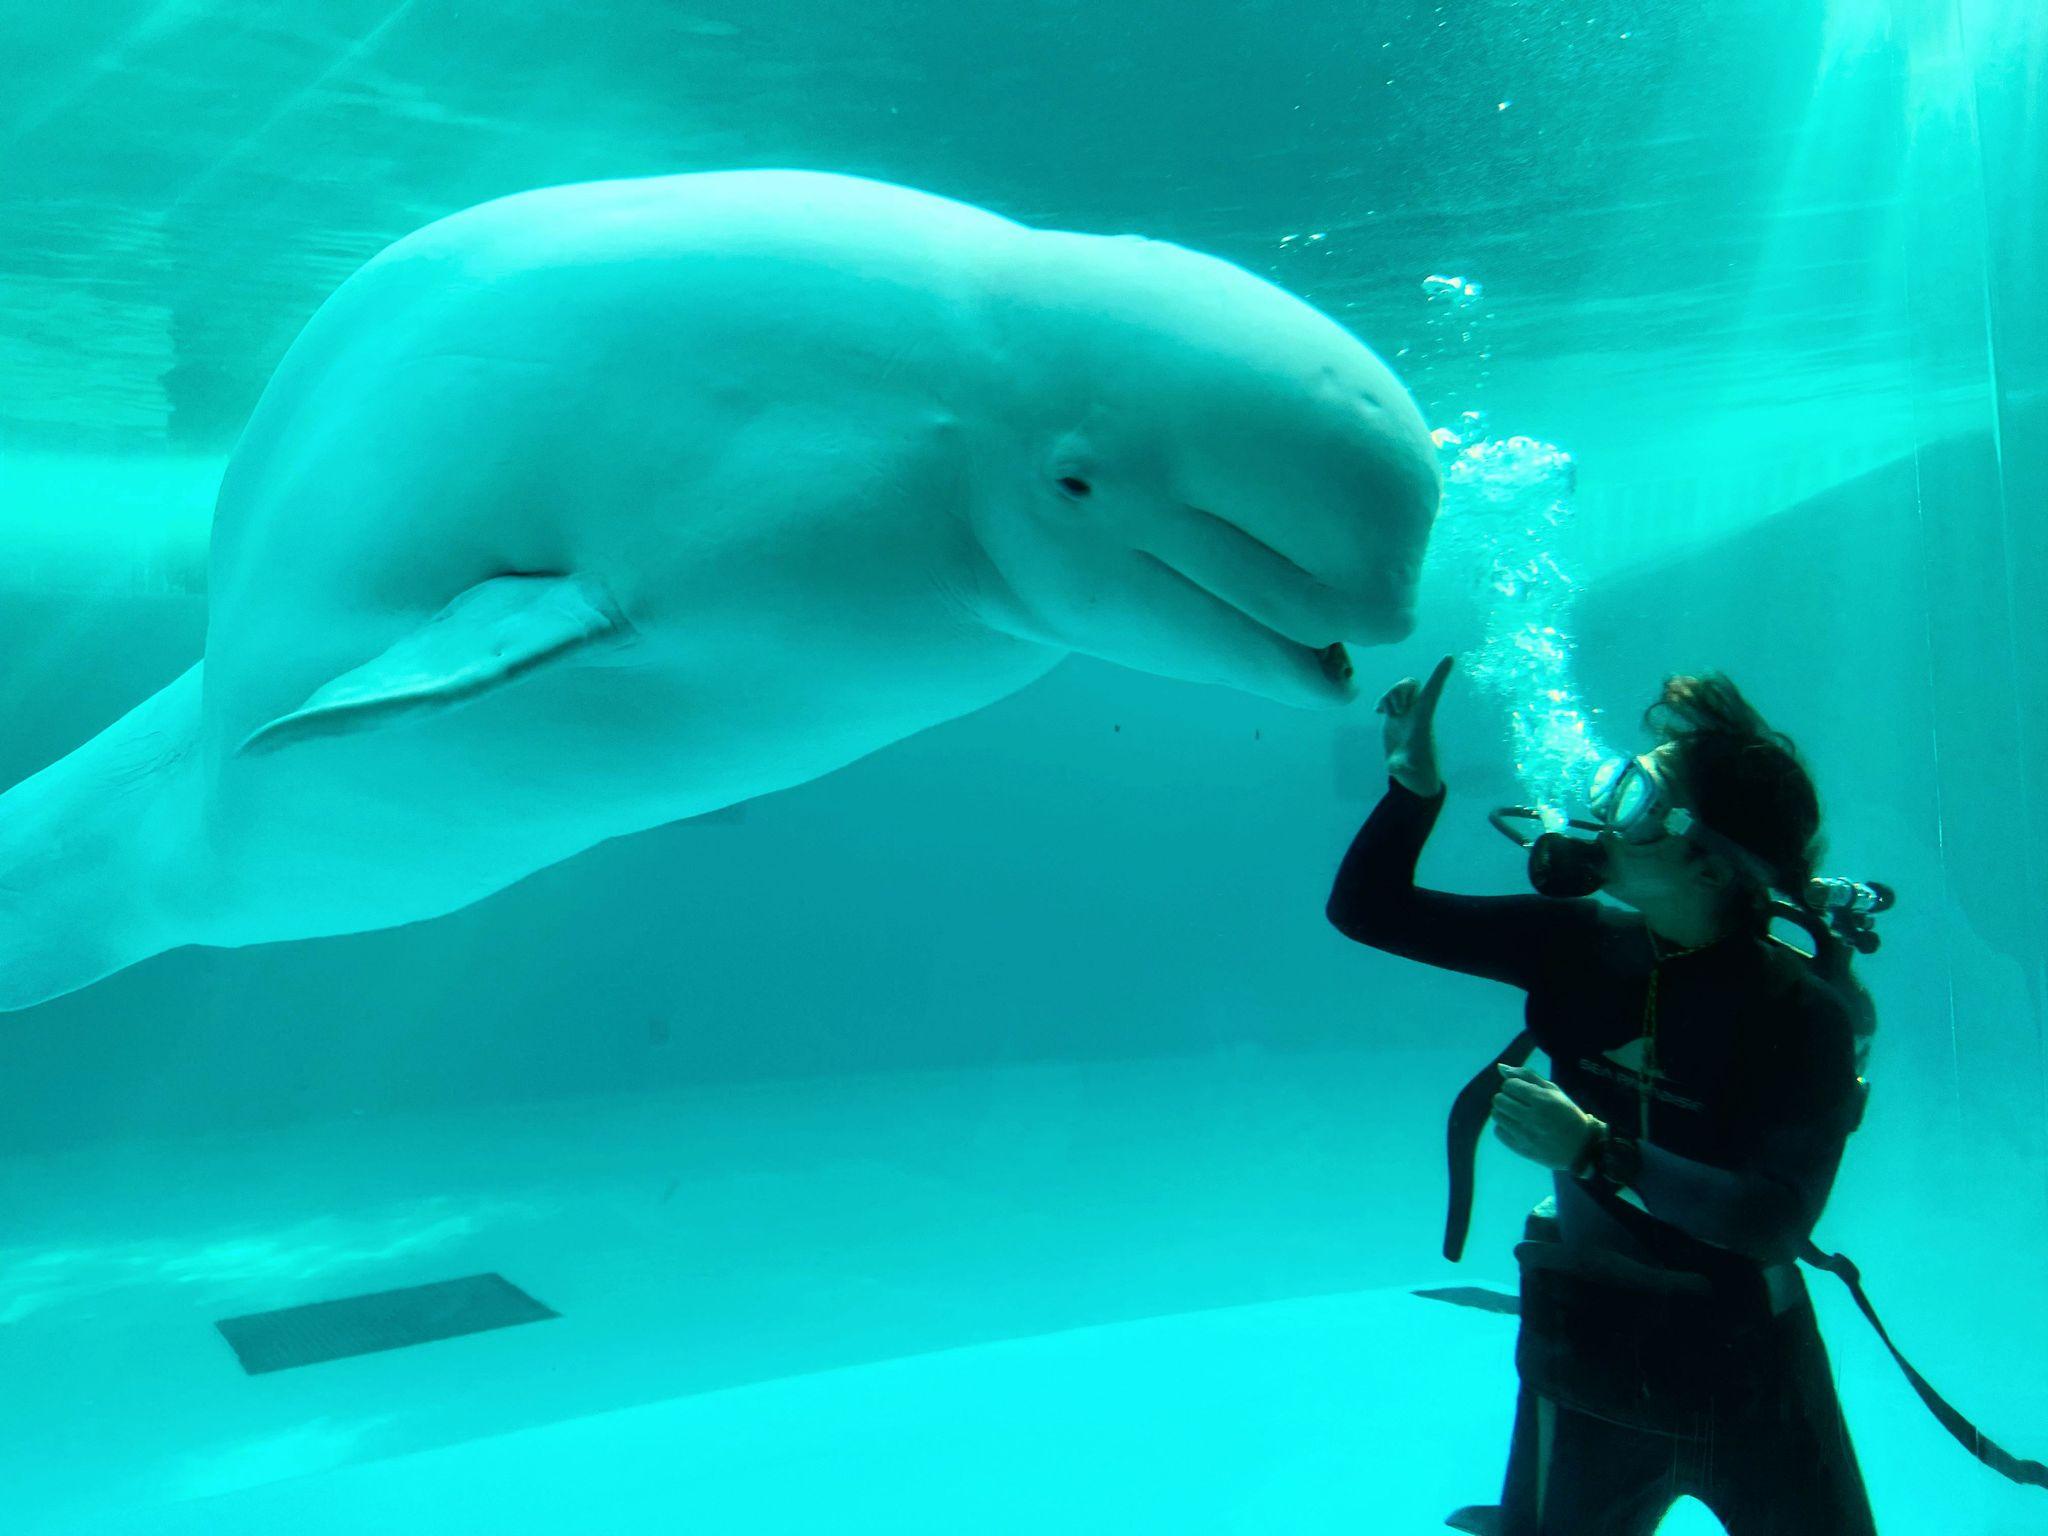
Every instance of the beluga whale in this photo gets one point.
(603, 506)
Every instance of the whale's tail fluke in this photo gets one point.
(94, 850)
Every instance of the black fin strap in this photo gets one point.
(2003, 1462)
(1469, 1112)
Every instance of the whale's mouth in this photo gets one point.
(1277, 588)
(1293, 610)
(1332, 661)
(1244, 649)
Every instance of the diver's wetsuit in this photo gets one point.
(1740, 1125)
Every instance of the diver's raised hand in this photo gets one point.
(1410, 730)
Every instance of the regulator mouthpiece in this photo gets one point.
(1565, 866)
(1559, 863)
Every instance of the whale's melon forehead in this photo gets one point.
(1188, 351)
(1138, 314)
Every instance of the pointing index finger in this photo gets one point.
(1434, 688)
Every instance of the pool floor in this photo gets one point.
(1172, 1296)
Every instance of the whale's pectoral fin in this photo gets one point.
(495, 633)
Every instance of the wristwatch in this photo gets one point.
(1608, 1158)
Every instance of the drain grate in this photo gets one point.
(364, 1325)
(1478, 1297)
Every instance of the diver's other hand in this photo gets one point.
(1410, 731)
(1536, 1119)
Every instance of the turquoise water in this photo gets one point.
(990, 1135)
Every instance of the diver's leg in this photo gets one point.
(1519, 1492)
(1788, 1469)
(1573, 1475)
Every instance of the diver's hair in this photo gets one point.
(1747, 782)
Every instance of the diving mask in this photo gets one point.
(1628, 801)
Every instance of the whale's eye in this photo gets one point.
(1075, 486)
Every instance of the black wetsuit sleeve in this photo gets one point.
(1764, 1210)
(1800, 1113)
(1514, 939)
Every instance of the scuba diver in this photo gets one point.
(1704, 1078)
